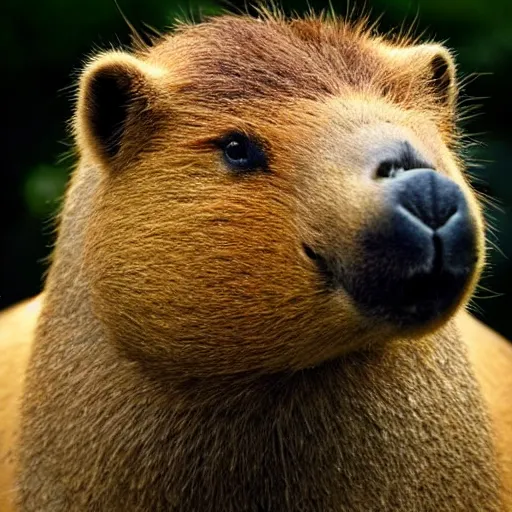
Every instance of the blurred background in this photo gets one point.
(44, 44)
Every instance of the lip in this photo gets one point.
(330, 272)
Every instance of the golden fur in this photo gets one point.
(16, 336)
(187, 356)
(491, 357)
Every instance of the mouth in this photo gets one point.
(410, 270)
(404, 296)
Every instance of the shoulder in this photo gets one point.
(491, 357)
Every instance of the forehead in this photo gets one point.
(234, 58)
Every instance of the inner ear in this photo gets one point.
(115, 92)
(443, 78)
(428, 63)
(110, 94)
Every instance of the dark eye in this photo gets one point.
(242, 153)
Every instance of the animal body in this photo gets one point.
(257, 296)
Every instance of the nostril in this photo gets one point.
(388, 169)
(401, 157)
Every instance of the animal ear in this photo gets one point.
(115, 95)
(440, 72)
(430, 62)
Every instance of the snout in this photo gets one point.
(416, 259)
(426, 224)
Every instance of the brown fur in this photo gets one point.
(16, 336)
(187, 356)
(491, 357)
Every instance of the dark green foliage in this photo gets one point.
(44, 44)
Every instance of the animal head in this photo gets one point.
(274, 193)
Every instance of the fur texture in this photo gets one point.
(188, 356)
(491, 358)
(17, 326)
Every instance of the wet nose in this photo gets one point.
(427, 197)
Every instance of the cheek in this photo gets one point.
(335, 206)
(217, 283)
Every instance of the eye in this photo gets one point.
(242, 153)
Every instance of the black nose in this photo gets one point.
(428, 197)
(416, 259)
(421, 253)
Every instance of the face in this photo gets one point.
(270, 233)
(406, 236)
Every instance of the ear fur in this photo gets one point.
(443, 75)
(115, 89)
(434, 64)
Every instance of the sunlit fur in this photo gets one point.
(491, 357)
(338, 100)
(188, 356)
(17, 326)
